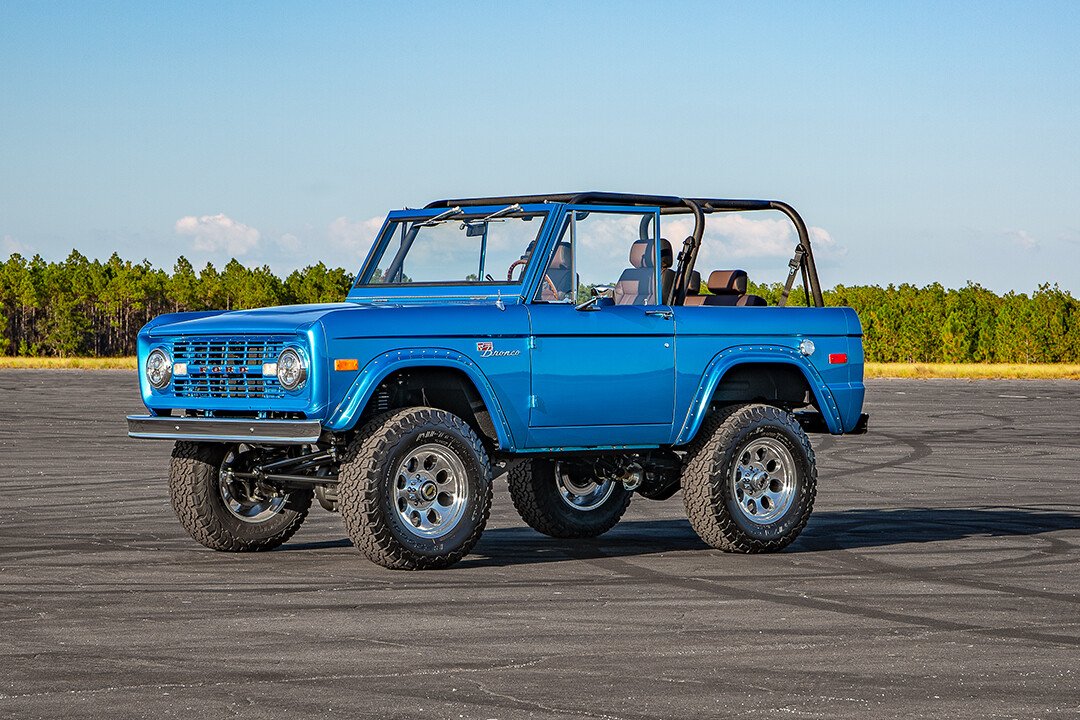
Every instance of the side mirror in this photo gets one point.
(602, 296)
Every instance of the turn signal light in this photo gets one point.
(837, 358)
(346, 365)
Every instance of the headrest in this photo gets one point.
(562, 258)
(694, 287)
(667, 257)
(640, 257)
(727, 282)
(642, 254)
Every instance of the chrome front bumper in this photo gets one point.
(271, 432)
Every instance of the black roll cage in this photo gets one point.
(803, 261)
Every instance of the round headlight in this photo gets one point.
(291, 372)
(158, 368)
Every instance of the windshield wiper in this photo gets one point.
(441, 217)
(497, 214)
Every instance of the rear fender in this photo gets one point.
(748, 354)
(348, 411)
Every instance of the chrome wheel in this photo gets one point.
(582, 493)
(431, 490)
(764, 480)
(243, 498)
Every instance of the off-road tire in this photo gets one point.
(196, 499)
(536, 496)
(710, 462)
(366, 481)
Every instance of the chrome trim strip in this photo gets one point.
(274, 432)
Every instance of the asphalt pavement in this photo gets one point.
(938, 578)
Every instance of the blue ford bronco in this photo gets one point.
(558, 336)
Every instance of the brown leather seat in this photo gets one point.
(693, 290)
(636, 285)
(728, 288)
(559, 271)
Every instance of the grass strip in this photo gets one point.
(974, 371)
(70, 363)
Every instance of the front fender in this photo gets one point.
(742, 355)
(348, 411)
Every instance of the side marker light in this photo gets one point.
(347, 365)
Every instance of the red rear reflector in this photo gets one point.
(345, 365)
(837, 358)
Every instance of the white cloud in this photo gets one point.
(10, 246)
(353, 236)
(1023, 238)
(822, 242)
(219, 234)
(735, 236)
(289, 243)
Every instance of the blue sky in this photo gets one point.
(925, 141)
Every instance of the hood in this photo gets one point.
(288, 319)
(343, 320)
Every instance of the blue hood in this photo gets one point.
(481, 318)
(289, 319)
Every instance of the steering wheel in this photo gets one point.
(510, 270)
(547, 278)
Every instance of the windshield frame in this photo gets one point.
(387, 233)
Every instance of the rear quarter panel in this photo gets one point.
(711, 340)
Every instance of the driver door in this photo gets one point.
(602, 375)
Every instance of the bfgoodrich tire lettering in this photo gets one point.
(196, 496)
(750, 479)
(392, 465)
(535, 491)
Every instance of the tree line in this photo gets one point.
(81, 307)
(87, 307)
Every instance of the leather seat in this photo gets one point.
(559, 270)
(728, 288)
(636, 285)
(694, 288)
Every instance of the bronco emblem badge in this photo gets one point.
(487, 349)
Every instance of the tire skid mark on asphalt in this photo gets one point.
(939, 575)
(510, 702)
(919, 450)
(824, 537)
(844, 454)
(729, 592)
(953, 414)
(64, 588)
(247, 681)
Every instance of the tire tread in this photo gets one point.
(190, 493)
(537, 502)
(705, 474)
(358, 491)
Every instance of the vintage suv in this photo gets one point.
(555, 334)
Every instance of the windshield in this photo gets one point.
(456, 248)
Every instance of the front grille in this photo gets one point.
(227, 367)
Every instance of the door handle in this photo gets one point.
(666, 314)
